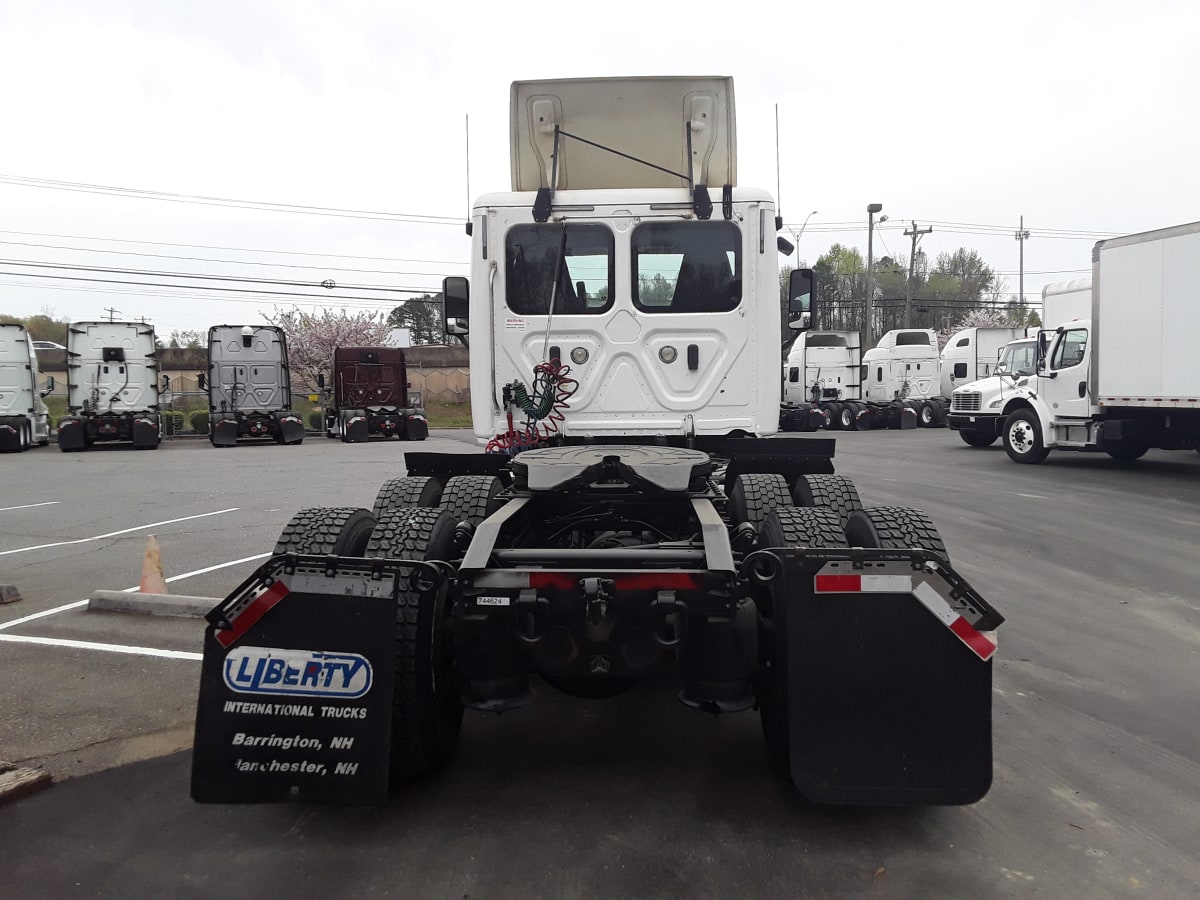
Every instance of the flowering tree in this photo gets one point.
(980, 318)
(312, 337)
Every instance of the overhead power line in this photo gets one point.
(202, 200)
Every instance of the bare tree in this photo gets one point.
(312, 338)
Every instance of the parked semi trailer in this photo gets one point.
(249, 386)
(632, 509)
(369, 397)
(112, 386)
(24, 420)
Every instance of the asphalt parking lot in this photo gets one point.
(1097, 771)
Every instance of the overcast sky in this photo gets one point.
(1080, 116)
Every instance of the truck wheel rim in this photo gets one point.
(1020, 438)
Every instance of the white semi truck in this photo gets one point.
(1121, 380)
(112, 386)
(979, 408)
(631, 511)
(24, 419)
(972, 353)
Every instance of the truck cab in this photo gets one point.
(646, 307)
(977, 408)
(905, 365)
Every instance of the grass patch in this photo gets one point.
(448, 415)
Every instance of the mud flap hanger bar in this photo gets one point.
(543, 203)
(337, 575)
(923, 573)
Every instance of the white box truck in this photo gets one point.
(979, 407)
(24, 420)
(1123, 380)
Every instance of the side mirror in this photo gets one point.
(800, 291)
(166, 384)
(456, 303)
(49, 386)
(202, 381)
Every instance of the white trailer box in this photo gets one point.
(1146, 309)
(1066, 301)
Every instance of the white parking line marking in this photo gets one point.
(1033, 496)
(101, 537)
(42, 614)
(113, 648)
(30, 505)
(91, 645)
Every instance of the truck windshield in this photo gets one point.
(687, 267)
(531, 255)
(1018, 359)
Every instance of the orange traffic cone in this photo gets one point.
(152, 570)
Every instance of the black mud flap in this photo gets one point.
(356, 429)
(889, 691)
(224, 433)
(145, 433)
(10, 434)
(296, 687)
(71, 434)
(416, 427)
(291, 429)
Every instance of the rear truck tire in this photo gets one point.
(977, 438)
(472, 498)
(411, 490)
(1127, 452)
(754, 495)
(833, 492)
(926, 413)
(941, 411)
(834, 411)
(794, 527)
(845, 417)
(427, 706)
(1023, 440)
(893, 528)
(336, 531)
(856, 411)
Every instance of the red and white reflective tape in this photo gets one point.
(250, 614)
(924, 589)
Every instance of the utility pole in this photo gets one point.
(915, 234)
(111, 313)
(1022, 236)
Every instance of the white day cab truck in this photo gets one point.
(1120, 381)
(24, 419)
(631, 509)
(112, 386)
(979, 406)
(249, 386)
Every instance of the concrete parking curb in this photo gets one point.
(151, 604)
(19, 781)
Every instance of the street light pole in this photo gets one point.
(872, 208)
(799, 234)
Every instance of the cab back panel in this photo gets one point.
(113, 366)
(248, 375)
